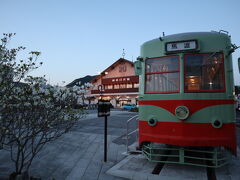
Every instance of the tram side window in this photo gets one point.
(204, 72)
(162, 75)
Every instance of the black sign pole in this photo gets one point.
(104, 110)
(105, 139)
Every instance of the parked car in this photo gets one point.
(128, 106)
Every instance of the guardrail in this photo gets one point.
(136, 118)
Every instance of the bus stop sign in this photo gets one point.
(103, 108)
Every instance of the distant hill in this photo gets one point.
(82, 81)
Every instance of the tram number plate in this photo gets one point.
(103, 108)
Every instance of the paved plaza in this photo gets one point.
(78, 155)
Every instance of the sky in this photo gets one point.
(84, 37)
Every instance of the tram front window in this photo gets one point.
(204, 72)
(162, 75)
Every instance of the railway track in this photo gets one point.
(210, 172)
(137, 167)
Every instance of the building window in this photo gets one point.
(162, 75)
(122, 86)
(129, 85)
(108, 86)
(116, 86)
(122, 68)
(135, 85)
(204, 72)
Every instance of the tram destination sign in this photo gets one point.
(181, 46)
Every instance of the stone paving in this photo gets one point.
(74, 156)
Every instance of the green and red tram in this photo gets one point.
(186, 94)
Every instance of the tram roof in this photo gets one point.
(190, 35)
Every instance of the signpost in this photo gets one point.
(104, 111)
(103, 108)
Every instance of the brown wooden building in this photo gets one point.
(119, 82)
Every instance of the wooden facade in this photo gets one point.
(119, 82)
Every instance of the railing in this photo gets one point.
(128, 134)
(125, 90)
(195, 156)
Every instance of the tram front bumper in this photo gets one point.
(189, 134)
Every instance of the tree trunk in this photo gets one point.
(22, 176)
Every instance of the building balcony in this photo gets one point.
(126, 90)
(120, 80)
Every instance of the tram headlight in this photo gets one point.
(182, 112)
(152, 121)
(217, 123)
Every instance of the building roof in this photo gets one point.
(111, 67)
